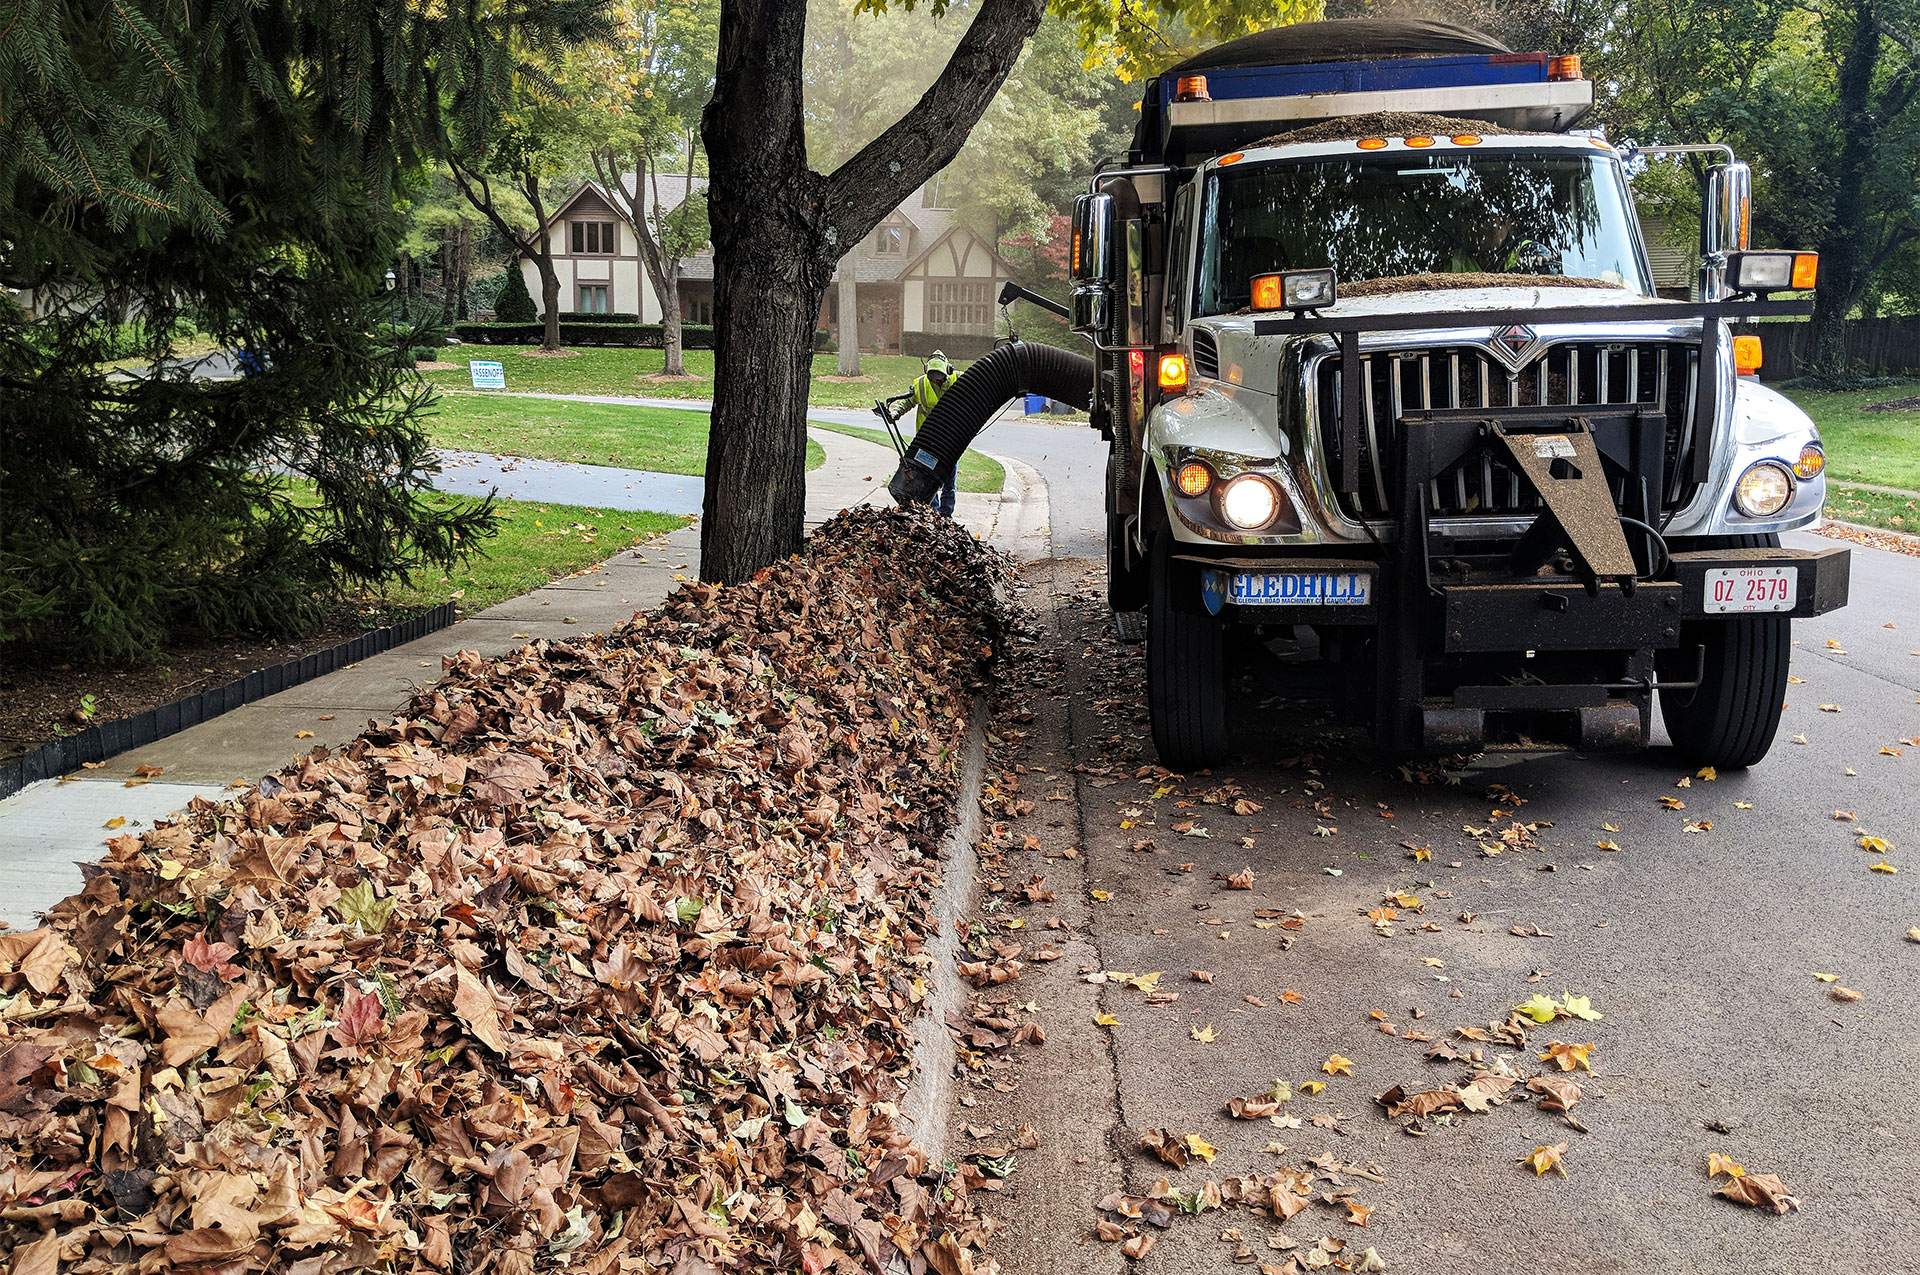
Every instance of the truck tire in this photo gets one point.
(1730, 721)
(1126, 583)
(1186, 666)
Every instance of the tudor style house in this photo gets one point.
(923, 279)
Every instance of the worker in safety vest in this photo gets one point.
(936, 376)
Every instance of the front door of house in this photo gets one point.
(880, 324)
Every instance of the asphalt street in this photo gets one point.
(1697, 931)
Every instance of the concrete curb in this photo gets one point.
(929, 1099)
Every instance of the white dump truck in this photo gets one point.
(1398, 416)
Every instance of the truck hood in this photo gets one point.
(1249, 361)
(1531, 296)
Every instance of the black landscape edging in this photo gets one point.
(97, 743)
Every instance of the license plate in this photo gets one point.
(1302, 588)
(1734, 590)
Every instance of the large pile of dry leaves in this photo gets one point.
(604, 954)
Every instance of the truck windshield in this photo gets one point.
(1410, 213)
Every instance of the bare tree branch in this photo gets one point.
(928, 137)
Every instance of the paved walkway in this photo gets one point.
(567, 483)
(50, 827)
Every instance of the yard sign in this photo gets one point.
(487, 376)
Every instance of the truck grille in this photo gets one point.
(1656, 374)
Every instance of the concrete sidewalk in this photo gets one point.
(50, 827)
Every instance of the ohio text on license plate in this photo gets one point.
(1731, 590)
(1302, 588)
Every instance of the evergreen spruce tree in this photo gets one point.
(234, 163)
(515, 304)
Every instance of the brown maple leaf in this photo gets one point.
(211, 958)
(361, 1019)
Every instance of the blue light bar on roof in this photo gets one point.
(1248, 104)
(1367, 77)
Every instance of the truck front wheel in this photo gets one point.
(1186, 665)
(1730, 720)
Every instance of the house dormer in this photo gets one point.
(892, 239)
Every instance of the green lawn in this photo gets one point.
(536, 544)
(666, 440)
(1874, 508)
(1871, 447)
(977, 472)
(1863, 446)
(599, 370)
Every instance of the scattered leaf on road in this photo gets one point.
(1543, 1158)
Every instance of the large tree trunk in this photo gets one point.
(755, 507)
(462, 268)
(550, 300)
(778, 230)
(672, 338)
(446, 281)
(849, 312)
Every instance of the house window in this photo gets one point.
(889, 241)
(595, 237)
(697, 311)
(593, 298)
(960, 308)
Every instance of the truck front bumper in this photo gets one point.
(1420, 627)
(1540, 613)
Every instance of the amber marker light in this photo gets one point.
(1466, 139)
(1234, 158)
(1746, 355)
(1373, 143)
(1420, 141)
(1268, 292)
(1193, 479)
(1806, 268)
(1564, 67)
(1173, 372)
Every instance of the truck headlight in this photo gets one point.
(1764, 489)
(1249, 502)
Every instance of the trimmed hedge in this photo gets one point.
(645, 336)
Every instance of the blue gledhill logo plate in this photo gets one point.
(1302, 588)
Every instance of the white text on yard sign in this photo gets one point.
(487, 376)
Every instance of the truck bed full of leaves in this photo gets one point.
(602, 954)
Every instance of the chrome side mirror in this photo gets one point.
(1726, 223)
(1090, 252)
(1092, 309)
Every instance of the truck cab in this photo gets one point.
(1391, 395)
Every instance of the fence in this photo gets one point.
(1874, 347)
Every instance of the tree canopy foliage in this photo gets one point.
(233, 168)
(1824, 101)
